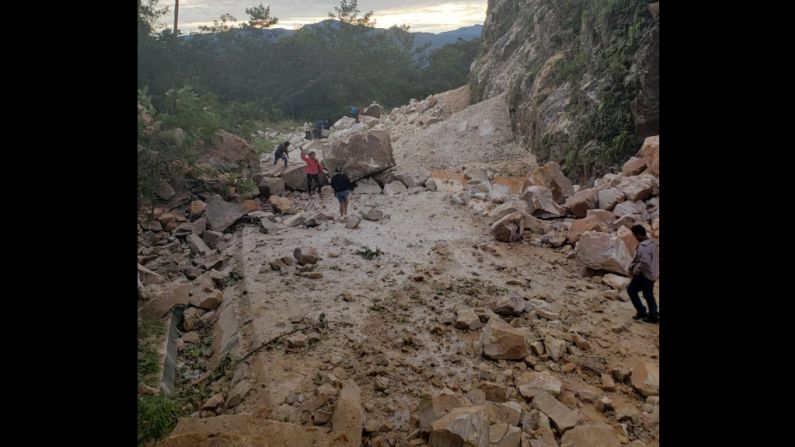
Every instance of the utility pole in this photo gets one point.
(176, 14)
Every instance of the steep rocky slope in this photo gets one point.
(581, 77)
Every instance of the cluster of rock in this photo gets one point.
(595, 221)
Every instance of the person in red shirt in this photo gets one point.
(313, 169)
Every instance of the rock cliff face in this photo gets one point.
(582, 77)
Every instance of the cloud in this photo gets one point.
(420, 15)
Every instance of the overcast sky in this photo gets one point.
(421, 15)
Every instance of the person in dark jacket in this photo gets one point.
(645, 270)
(281, 153)
(318, 129)
(342, 189)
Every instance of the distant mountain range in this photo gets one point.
(441, 39)
(420, 38)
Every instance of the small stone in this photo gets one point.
(321, 417)
(586, 395)
(607, 383)
(238, 393)
(380, 383)
(191, 337)
(604, 404)
(213, 402)
(646, 378)
(372, 426)
(146, 390)
(296, 340)
(306, 255)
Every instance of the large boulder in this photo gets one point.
(281, 205)
(541, 203)
(413, 179)
(271, 186)
(374, 110)
(610, 197)
(588, 223)
(560, 415)
(509, 228)
(230, 150)
(633, 166)
(394, 188)
(501, 341)
(164, 190)
(295, 177)
(582, 201)
(551, 177)
(361, 154)
(511, 206)
(222, 214)
(640, 187)
(650, 153)
(602, 251)
(636, 209)
(462, 427)
(367, 186)
(433, 408)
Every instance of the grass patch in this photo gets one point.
(149, 332)
(369, 254)
(157, 416)
(233, 278)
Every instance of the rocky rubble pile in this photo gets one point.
(593, 224)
